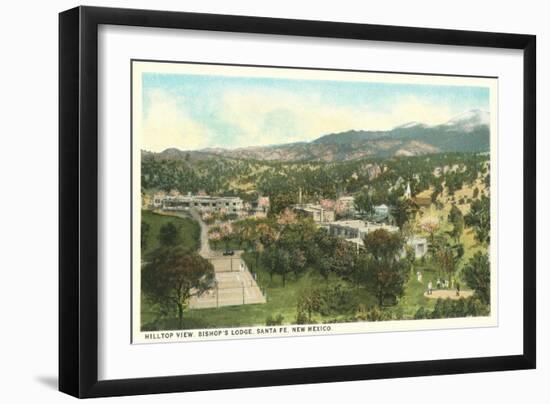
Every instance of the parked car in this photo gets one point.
(229, 252)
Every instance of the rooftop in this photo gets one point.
(361, 225)
(207, 197)
(309, 207)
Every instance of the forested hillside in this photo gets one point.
(386, 178)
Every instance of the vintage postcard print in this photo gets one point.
(280, 202)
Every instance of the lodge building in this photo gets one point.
(354, 231)
(229, 204)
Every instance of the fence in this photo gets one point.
(228, 296)
(235, 285)
(228, 264)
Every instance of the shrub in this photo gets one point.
(448, 308)
(277, 320)
(376, 314)
(336, 299)
(328, 300)
(302, 317)
(476, 307)
(421, 314)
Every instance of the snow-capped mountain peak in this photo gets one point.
(411, 124)
(469, 120)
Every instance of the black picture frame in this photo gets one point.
(78, 200)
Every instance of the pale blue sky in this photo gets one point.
(190, 111)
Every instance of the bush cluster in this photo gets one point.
(449, 308)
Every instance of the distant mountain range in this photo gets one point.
(468, 132)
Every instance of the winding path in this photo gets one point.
(205, 249)
(235, 285)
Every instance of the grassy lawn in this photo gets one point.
(414, 297)
(189, 230)
(280, 301)
(283, 300)
(471, 245)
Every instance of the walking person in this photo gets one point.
(457, 288)
(430, 287)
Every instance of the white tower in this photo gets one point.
(408, 191)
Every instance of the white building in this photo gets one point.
(351, 229)
(229, 204)
(355, 230)
(316, 212)
(382, 210)
(408, 193)
(260, 207)
(419, 245)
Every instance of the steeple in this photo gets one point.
(408, 191)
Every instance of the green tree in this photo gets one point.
(169, 234)
(379, 268)
(479, 218)
(270, 258)
(279, 202)
(297, 238)
(457, 220)
(410, 256)
(319, 252)
(297, 261)
(364, 203)
(283, 263)
(438, 189)
(477, 275)
(403, 211)
(280, 260)
(172, 275)
(447, 256)
(246, 232)
(342, 258)
(308, 303)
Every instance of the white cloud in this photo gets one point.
(310, 117)
(274, 116)
(168, 124)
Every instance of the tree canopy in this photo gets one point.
(479, 218)
(169, 234)
(379, 268)
(457, 220)
(404, 210)
(477, 275)
(172, 275)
